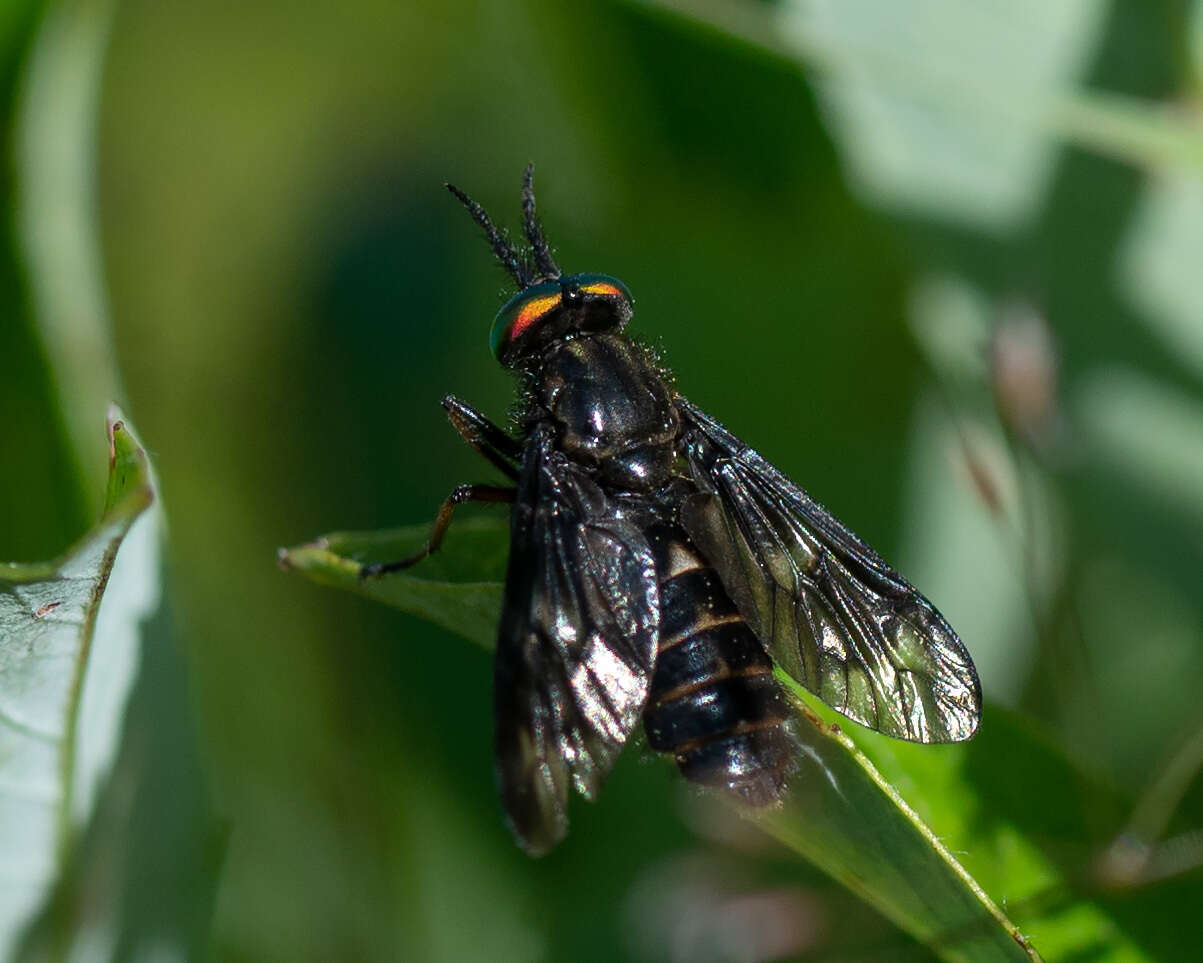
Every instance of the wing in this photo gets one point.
(578, 635)
(831, 613)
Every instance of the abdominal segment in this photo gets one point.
(714, 703)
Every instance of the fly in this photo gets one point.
(660, 569)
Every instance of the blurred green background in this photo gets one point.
(938, 262)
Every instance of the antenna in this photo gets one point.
(534, 233)
(501, 245)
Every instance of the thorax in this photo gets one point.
(612, 408)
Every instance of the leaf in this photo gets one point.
(1004, 803)
(1158, 265)
(55, 213)
(847, 819)
(926, 145)
(459, 588)
(845, 813)
(932, 86)
(67, 663)
(1147, 433)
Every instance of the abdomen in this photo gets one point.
(714, 703)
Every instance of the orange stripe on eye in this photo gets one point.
(601, 288)
(531, 312)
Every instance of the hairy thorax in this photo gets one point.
(613, 409)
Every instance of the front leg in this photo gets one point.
(442, 521)
(499, 448)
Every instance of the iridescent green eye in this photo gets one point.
(575, 303)
(599, 285)
(521, 311)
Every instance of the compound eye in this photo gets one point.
(530, 312)
(521, 313)
(600, 286)
(606, 302)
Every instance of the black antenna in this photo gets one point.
(502, 248)
(534, 233)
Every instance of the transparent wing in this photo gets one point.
(832, 614)
(576, 644)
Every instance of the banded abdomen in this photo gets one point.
(714, 704)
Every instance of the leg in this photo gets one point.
(442, 521)
(502, 450)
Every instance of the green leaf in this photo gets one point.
(846, 814)
(67, 663)
(1158, 261)
(458, 588)
(927, 145)
(1005, 803)
(956, 80)
(1147, 433)
(55, 212)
